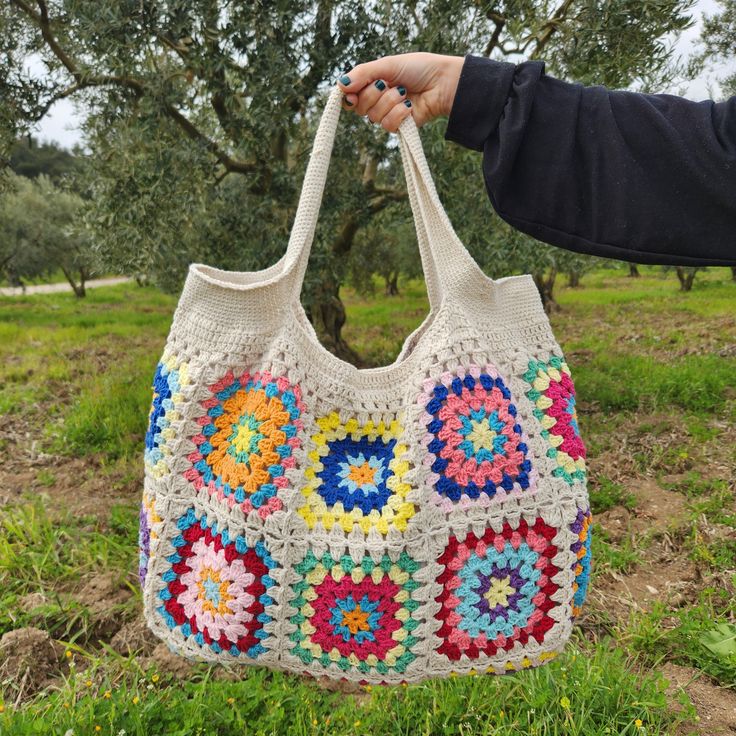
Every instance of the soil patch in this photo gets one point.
(716, 706)
(30, 661)
(105, 597)
(134, 637)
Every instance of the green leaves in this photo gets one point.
(721, 641)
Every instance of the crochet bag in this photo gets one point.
(377, 525)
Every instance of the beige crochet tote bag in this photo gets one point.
(377, 525)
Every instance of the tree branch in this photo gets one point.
(550, 27)
(85, 80)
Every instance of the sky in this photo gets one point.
(61, 123)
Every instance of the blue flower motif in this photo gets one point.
(350, 619)
(355, 473)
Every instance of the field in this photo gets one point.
(654, 371)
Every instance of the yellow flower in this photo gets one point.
(88, 683)
(638, 723)
(98, 728)
(368, 688)
(2, 708)
(68, 654)
(107, 694)
(501, 714)
(154, 678)
(66, 705)
(565, 702)
(136, 700)
(314, 721)
(356, 724)
(230, 701)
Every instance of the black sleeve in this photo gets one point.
(639, 177)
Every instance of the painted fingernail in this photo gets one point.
(380, 84)
(347, 102)
(402, 90)
(407, 103)
(345, 79)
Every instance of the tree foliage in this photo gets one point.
(719, 39)
(40, 233)
(29, 158)
(201, 113)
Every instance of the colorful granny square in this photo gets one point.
(146, 519)
(476, 446)
(582, 565)
(168, 381)
(248, 436)
(358, 616)
(553, 395)
(217, 588)
(355, 476)
(496, 590)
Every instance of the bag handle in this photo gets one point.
(448, 266)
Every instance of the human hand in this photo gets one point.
(418, 83)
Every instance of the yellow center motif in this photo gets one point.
(212, 586)
(243, 438)
(499, 592)
(362, 474)
(355, 620)
(482, 436)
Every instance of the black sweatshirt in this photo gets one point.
(639, 177)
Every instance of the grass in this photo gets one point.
(605, 494)
(589, 693)
(53, 556)
(655, 388)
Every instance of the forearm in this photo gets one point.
(646, 178)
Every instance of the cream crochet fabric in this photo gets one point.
(382, 525)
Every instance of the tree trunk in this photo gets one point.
(733, 273)
(686, 276)
(78, 289)
(392, 284)
(634, 271)
(546, 285)
(573, 279)
(83, 276)
(327, 315)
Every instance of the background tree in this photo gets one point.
(40, 232)
(719, 40)
(29, 158)
(386, 247)
(200, 116)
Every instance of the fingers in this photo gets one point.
(395, 115)
(387, 68)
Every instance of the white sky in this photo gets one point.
(61, 123)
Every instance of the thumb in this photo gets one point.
(387, 68)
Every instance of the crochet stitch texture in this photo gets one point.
(421, 519)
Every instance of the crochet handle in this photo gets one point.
(448, 267)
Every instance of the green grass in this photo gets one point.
(586, 692)
(605, 494)
(676, 635)
(53, 556)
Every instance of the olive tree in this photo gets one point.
(40, 232)
(199, 115)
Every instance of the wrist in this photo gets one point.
(452, 67)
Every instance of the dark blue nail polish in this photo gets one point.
(345, 79)
(380, 84)
(407, 103)
(348, 103)
(402, 90)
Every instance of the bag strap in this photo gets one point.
(447, 265)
